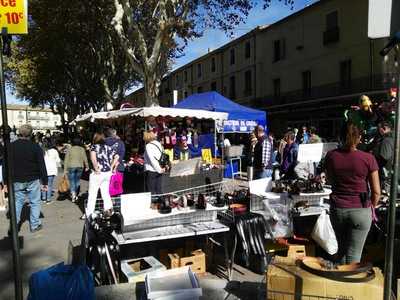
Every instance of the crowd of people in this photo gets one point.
(265, 153)
(357, 176)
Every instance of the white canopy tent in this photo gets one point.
(158, 111)
(153, 111)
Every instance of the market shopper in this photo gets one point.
(104, 161)
(74, 164)
(289, 155)
(152, 156)
(383, 150)
(114, 141)
(29, 175)
(351, 171)
(52, 161)
(263, 151)
(314, 137)
(304, 137)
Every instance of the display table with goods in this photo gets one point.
(182, 214)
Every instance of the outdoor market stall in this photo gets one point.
(183, 174)
(241, 119)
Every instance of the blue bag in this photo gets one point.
(62, 282)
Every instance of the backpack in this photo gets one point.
(164, 158)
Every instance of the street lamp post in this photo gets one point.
(391, 222)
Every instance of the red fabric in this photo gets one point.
(348, 172)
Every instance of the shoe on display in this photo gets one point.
(40, 227)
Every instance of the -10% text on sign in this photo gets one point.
(14, 16)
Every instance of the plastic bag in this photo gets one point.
(63, 186)
(116, 182)
(324, 234)
(62, 282)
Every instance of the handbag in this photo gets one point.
(63, 186)
(116, 182)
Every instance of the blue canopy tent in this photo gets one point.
(240, 118)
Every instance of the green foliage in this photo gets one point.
(70, 60)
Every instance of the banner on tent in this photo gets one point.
(238, 125)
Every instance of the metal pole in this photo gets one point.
(11, 200)
(392, 204)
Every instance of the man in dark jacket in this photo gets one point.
(28, 173)
(289, 156)
(383, 150)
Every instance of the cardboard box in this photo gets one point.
(283, 282)
(197, 261)
(136, 269)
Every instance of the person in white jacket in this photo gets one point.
(52, 161)
(152, 156)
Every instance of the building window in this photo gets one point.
(279, 50)
(199, 89)
(331, 33)
(332, 20)
(247, 50)
(185, 75)
(247, 83)
(198, 70)
(213, 86)
(306, 79)
(178, 81)
(232, 87)
(232, 56)
(345, 73)
(277, 87)
(213, 64)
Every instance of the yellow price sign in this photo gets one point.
(14, 16)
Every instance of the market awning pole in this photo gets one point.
(11, 200)
(215, 139)
(392, 204)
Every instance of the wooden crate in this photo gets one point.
(197, 261)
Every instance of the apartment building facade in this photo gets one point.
(305, 69)
(41, 119)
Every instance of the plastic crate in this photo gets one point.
(234, 151)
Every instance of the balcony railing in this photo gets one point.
(355, 86)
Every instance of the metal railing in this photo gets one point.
(359, 85)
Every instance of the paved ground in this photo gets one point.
(42, 249)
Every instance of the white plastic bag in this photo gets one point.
(324, 234)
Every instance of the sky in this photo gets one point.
(213, 39)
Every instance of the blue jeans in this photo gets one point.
(74, 178)
(46, 196)
(32, 190)
(263, 173)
